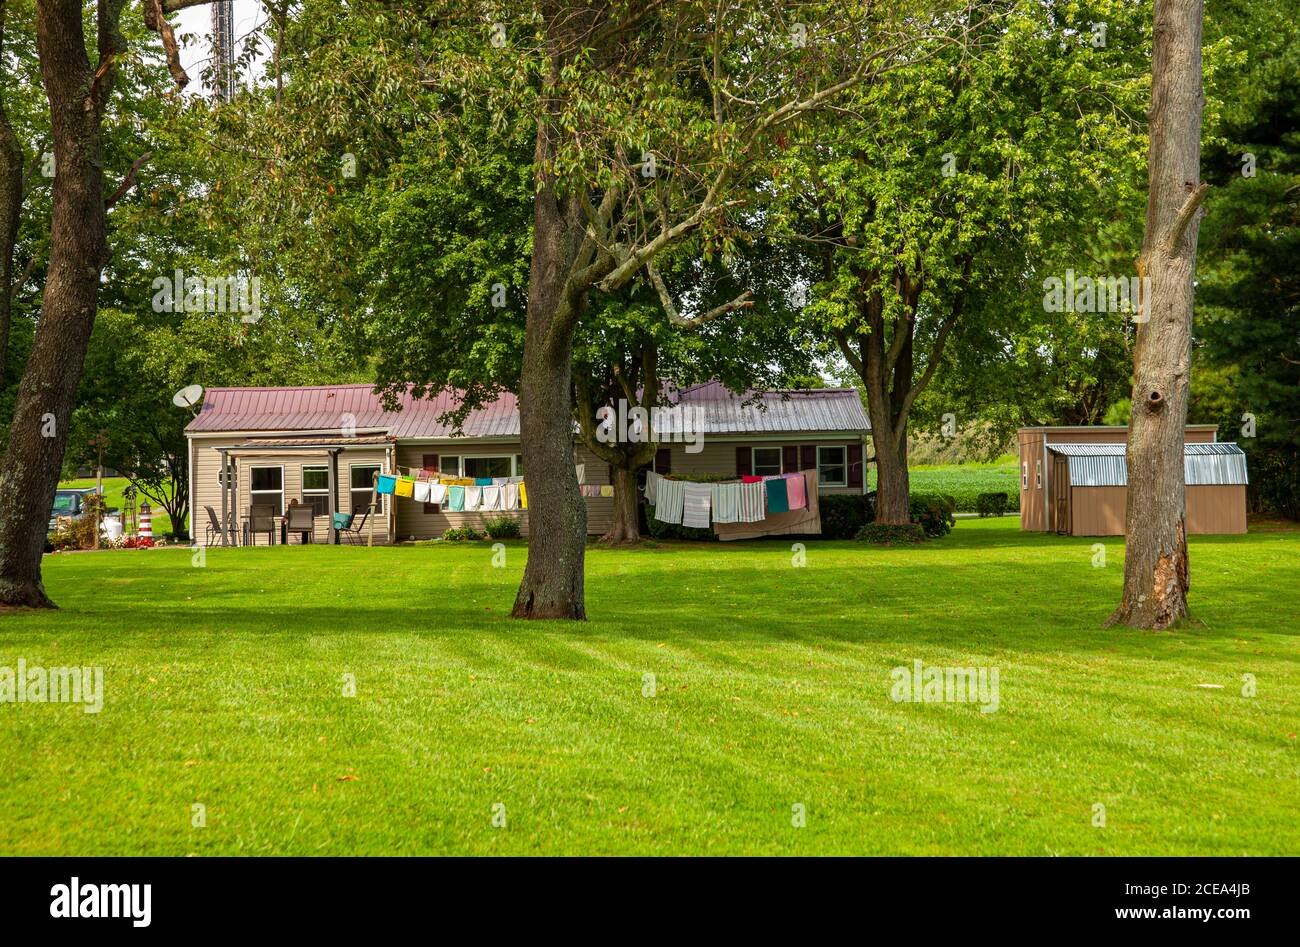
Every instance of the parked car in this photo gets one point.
(69, 502)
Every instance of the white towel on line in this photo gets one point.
(696, 505)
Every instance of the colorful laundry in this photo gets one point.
(482, 481)
(523, 496)
(796, 491)
(404, 487)
(748, 479)
(696, 505)
(725, 500)
(607, 489)
(778, 498)
(385, 484)
(753, 502)
(473, 498)
(672, 501)
(456, 499)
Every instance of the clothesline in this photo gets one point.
(458, 494)
(747, 500)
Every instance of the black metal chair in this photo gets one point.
(214, 531)
(261, 519)
(353, 529)
(301, 519)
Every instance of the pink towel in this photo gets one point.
(796, 491)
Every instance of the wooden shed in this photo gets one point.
(1074, 481)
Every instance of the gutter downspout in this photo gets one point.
(1047, 519)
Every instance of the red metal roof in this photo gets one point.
(331, 407)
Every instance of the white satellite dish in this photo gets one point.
(188, 396)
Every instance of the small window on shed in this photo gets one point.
(1038, 474)
(1024, 475)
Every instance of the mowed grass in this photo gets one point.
(224, 688)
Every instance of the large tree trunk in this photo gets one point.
(625, 527)
(1155, 565)
(552, 586)
(29, 470)
(11, 202)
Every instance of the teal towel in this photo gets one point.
(778, 496)
(482, 481)
(456, 499)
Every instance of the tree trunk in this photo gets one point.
(552, 586)
(1156, 577)
(29, 470)
(11, 202)
(893, 491)
(625, 527)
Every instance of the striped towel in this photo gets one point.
(491, 498)
(473, 497)
(696, 506)
(726, 502)
(651, 485)
(672, 500)
(753, 502)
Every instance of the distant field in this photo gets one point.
(113, 487)
(965, 482)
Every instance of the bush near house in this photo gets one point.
(933, 513)
(502, 526)
(991, 504)
(892, 534)
(462, 534)
(844, 515)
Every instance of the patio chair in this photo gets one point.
(350, 527)
(301, 519)
(213, 529)
(261, 519)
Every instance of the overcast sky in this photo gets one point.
(196, 54)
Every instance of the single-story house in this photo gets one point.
(1074, 480)
(323, 445)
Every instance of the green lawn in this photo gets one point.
(223, 687)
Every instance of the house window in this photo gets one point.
(361, 485)
(266, 485)
(1024, 475)
(316, 490)
(519, 465)
(475, 467)
(832, 467)
(766, 461)
(449, 465)
(1038, 474)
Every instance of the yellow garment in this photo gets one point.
(523, 497)
(606, 489)
(405, 487)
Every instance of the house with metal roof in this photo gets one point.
(1074, 481)
(323, 446)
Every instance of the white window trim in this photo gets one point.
(302, 482)
(753, 460)
(255, 493)
(1038, 475)
(1024, 475)
(378, 465)
(844, 455)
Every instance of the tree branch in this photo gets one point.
(682, 322)
(127, 182)
(1185, 214)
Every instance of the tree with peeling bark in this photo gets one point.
(1156, 568)
(927, 200)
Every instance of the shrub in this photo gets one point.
(844, 515)
(658, 529)
(503, 526)
(889, 534)
(1275, 481)
(461, 533)
(933, 512)
(991, 504)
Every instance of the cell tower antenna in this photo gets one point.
(223, 48)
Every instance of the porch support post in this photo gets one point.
(334, 494)
(225, 498)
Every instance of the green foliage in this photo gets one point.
(933, 513)
(501, 526)
(1275, 480)
(461, 534)
(892, 534)
(844, 514)
(991, 504)
(658, 529)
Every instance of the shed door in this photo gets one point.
(1061, 493)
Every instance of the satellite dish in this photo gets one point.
(188, 396)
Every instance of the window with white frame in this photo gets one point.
(1024, 475)
(361, 485)
(765, 461)
(266, 486)
(1038, 474)
(832, 466)
(316, 489)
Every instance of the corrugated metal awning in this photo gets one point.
(1103, 465)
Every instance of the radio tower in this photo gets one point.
(223, 49)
